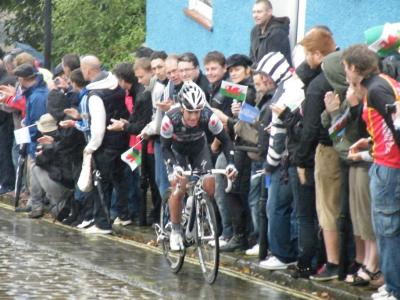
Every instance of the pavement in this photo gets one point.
(238, 265)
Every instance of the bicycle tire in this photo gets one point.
(206, 231)
(174, 259)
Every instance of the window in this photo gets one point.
(201, 12)
(204, 7)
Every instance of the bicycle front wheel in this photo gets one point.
(174, 259)
(207, 238)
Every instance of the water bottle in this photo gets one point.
(188, 212)
(189, 204)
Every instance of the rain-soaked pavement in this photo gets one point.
(39, 260)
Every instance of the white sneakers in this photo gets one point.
(382, 294)
(118, 221)
(85, 224)
(221, 241)
(254, 251)
(176, 241)
(96, 230)
(273, 263)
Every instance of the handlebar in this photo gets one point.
(212, 171)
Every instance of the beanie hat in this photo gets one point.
(236, 60)
(57, 101)
(275, 65)
(26, 71)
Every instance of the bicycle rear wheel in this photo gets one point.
(206, 232)
(174, 259)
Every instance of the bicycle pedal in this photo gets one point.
(159, 233)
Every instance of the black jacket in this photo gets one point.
(63, 158)
(141, 114)
(114, 104)
(313, 133)
(391, 66)
(274, 39)
(217, 100)
(293, 120)
(250, 99)
(204, 84)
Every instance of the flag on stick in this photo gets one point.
(233, 90)
(132, 157)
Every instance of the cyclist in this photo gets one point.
(183, 140)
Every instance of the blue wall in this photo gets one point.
(169, 29)
(348, 19)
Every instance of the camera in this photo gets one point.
(391, 108)
(57, 81)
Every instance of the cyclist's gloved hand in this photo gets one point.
(231, 171)
(176, 173)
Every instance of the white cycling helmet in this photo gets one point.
(191, 96)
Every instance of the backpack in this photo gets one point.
(255, 135)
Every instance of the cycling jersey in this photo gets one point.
(178, 140)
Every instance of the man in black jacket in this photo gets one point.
(270, 34)
(189, 69)
(317, 44)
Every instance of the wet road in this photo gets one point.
(39, 260)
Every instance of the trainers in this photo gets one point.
(237, 242)
(36, 213)
(176, 241)
(96, 230)
(273, 263)
(221, 240)
(384, 295)
(85, 224)
(254, 251)
(381, 292)
(328, 272)
(118, 221)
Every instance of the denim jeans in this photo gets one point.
(127, 207)
(254, 194)
(221, 199)
(279, 211)
(161, 171)
(307, 221)
(385, 194)
(7, 172)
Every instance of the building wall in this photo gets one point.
(348, 19)
(169, 29)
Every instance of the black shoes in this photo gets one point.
(301, 272)
(237, 242)
(23, 209)
(4, 190)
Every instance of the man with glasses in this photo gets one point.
(189, 70)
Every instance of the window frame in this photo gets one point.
(200, 12)
(202, 8)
